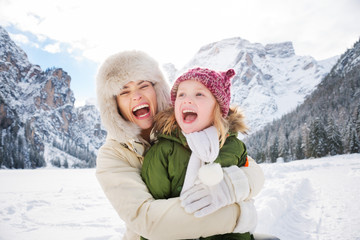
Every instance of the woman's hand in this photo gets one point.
(248, 218)
(202, 199)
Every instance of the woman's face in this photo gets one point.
(137, 103)
(194, 106)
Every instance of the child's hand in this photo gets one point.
(202, 199)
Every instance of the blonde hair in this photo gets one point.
(170, 125)
(221, 124)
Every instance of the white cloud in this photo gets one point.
(23, 39)
(53, 48)
(19, 38)
(172, 31)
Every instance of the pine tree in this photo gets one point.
(335, 145)
(347, 134)
(357, 123)
(1, 149)
(299, 150)
(317, 139)
(274, 150)
(284, 151)
(260, 156)
(66, 164)
(306, 141)
(354, 144)
(56, 162)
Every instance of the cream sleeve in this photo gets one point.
(255, 176)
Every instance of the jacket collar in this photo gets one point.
(176, 136)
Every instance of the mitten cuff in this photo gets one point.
(240, 182)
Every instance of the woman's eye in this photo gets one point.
(144, 86)
(199, 94)
(180, 95)
(123, 93)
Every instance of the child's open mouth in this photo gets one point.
(141, 111)
(189, 115)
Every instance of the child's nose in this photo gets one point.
(188, 100)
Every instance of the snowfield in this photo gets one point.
(307, 199)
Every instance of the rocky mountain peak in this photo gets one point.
(39, 124)
(281, 50)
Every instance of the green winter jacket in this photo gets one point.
(165, 163)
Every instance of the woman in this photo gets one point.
(131, 90)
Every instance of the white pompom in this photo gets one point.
(211, 174)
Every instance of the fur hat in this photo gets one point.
(118, 70)
(217, 82)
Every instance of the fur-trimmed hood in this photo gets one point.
(236, 120)
(118, 70)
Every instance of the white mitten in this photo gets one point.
(202, 199)
(248, 217)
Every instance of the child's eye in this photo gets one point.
(180, 95)
(144, 86)
(199, 94)
(123, 93)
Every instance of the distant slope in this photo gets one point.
(328, 122)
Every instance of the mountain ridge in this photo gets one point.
(39, 124)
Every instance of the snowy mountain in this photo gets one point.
(270, 80)
(327, 122)
(39, 124)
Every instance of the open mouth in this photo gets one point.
(189, 115)
(141, 111)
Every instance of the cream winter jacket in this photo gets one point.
(119, 162)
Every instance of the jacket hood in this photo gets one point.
(116, 71)
(236, 120)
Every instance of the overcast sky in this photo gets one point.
(83, 33)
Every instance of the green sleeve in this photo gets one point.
(154, 171)
(232, 153)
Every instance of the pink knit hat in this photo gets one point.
(217, 82)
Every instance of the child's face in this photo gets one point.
(194, 106)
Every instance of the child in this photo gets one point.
(200, 128)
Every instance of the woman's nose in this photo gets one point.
(136, 96)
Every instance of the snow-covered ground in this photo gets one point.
(308, 199)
